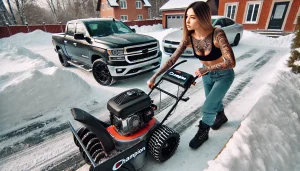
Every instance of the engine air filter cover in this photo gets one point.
(128, 102)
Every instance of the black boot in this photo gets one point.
(220, 120)
(201, 136)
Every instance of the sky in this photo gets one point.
(37, 93)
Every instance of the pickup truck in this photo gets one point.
(108, 48)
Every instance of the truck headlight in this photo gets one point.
(116, 52)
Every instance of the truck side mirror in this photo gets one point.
(78, 36)
(133, 30)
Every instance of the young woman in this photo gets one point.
(211, 47)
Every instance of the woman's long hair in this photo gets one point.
(202, 12)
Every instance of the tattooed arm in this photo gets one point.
(227, 53)
(180, 49)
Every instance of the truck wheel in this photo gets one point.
(101, 73)
(62, 58)
(163, 143)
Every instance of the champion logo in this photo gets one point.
(123, 161)
(177, 76)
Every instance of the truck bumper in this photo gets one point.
(122, 72)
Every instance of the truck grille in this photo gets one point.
(141, 52)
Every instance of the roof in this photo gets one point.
(114, 3)
(177, 4)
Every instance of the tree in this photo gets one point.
(295, 52)
(21, 4)
(11, 12)
(4, 17)
(53, 10)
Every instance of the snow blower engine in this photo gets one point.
(130, 111)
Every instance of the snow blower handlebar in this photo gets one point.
(179, 78)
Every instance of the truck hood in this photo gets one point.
(122, 40)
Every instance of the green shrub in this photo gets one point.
(295, 55)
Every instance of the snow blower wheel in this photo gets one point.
(163, 143)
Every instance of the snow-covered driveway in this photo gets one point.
(36, 94)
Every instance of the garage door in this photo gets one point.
(174, 21)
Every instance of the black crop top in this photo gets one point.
(214, 54)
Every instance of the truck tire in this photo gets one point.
(101, 73)
(62, 58)
(163, 143)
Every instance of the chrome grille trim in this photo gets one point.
(139, 52)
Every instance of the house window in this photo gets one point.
(231, 10)
(140, 17)
(103, 7)
(123, 4)
(252, 12)
(124, 17)
(138, 4)
(107, 5)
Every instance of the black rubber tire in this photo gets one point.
(62, 58)
(101, 73)
(163, 143)
(237, 40)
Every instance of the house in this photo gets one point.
(173, 11)
(124, 10)
(273, 16)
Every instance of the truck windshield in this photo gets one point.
(106, 28)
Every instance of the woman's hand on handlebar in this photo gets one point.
(201, 71)
(151, 83)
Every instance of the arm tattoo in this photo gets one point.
(227, 53)
(180, 49)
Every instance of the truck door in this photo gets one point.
(82, 46)
(69, 41)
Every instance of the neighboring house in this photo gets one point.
(262, 15)
(125, 10)
(173, 11)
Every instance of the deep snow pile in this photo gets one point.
(145, 29)
(268, 138)
(250, 38)
(30, 86)
(37, 37)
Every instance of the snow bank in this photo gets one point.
(268, 138)
(145, 29)
(251, 38)
(37, 37)
(31, 86)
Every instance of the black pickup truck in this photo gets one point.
(108, 48)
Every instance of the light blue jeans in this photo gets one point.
(216, 85)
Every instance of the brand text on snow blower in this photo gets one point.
(123, 161)
(177, 76)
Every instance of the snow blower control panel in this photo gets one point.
(179, 78)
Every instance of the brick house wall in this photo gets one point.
(264, 13)
(132, 12)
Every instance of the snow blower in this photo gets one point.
(133, 131)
